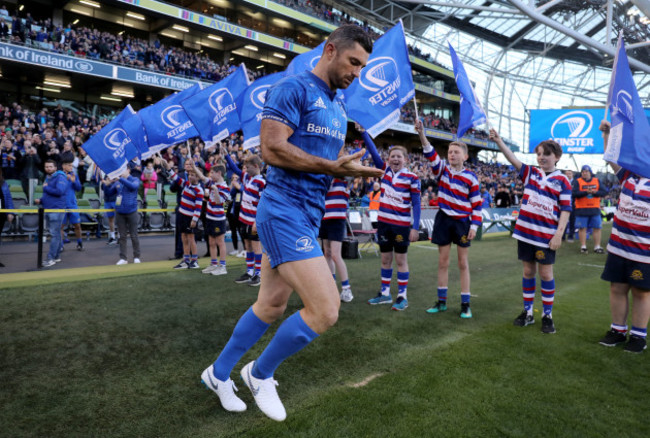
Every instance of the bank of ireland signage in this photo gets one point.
(54, 60)
(576, 130)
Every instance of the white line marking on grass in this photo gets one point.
(593, 266)
(365, 381)
(432, 248)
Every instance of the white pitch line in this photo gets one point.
(365, 381)
(432, 248)
(593, 266)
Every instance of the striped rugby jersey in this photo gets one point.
(397, 189)
(336, 200)
(545, 196)
(458, 192)
(630, 237)
(219, 193)
(253, 187)
(191, 198)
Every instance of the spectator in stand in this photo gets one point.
(502, 198)
(29, 166)
(149, 177)
(10, 158)
(6, 202)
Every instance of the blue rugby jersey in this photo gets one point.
(318, 118)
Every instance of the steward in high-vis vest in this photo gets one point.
(587, 191)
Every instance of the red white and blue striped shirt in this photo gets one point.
(191, 198)
(459, 194)
(545, 196)
(630, 237)
(336, 200)
(253, 187)
(397, 191)
(219, 193)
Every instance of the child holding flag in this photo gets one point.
(457, 220)
(254, 184)
(628, 259)
(543, 217)
(218, 193)
(190, 211)
(400, 194)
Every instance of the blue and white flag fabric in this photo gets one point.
(629, 136)
(384, 86)
(135, 130)
(111, 146)
(166, 122)
(471, 112)
(250, 105)
(305, 61)
(214, 109)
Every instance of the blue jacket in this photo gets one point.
(6, 193)
(110, 192)
(54, 193)
(71, 196)
(128, 189)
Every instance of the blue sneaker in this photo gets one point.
(465, 311)
(381, 299)
(440, 306)
(400, 304)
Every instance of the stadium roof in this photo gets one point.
(526, 54)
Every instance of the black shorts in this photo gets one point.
(393, 238)
(531, 253)
(215, 228)
(247, 233)
(332, 229)
(447, 230)
(622, 270)
(184, 224)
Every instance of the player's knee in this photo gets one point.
(463, 265)
(329, 316)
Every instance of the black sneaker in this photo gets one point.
(182, 265)
(584, 251)
(245, 278)
(612, 338)
(112, 241)
(599, 251)
(80, 246)
(636, 344)
(194, 265)
(255, 280)
(547, 325)
(524, 319)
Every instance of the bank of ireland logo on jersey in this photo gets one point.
(381, 76)
(304, 244)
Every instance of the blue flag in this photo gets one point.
(166, 122)
(213, 110)
(629, 136)
(471, 112)
(385, 84)
(111, 146)
(305, 61)
(250, 105)
(135, 130)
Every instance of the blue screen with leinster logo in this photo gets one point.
(576, 130)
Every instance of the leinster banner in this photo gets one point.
(111, 146)
(306, 61)
(629, 137)
(213, 111)
(166, 122)
(576, 130)
(250, 105)
(384, 86)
